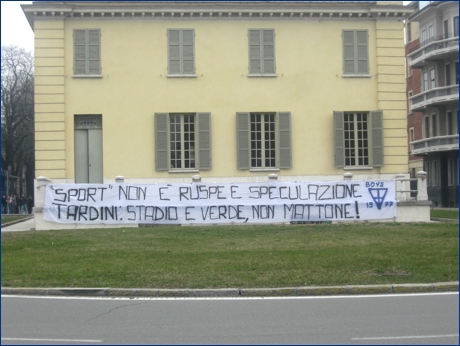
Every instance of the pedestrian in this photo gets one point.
(4, 204)
(30, 204)
(23, 204)
(11, 204)
(16, 204)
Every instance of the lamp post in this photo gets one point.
(8, 187)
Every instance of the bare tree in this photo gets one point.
(18, 111)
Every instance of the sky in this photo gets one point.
(16, 30)
(15, 27)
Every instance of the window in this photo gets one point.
(428, 171)
(355, 52)
(434, 125)
(182, 141)
(409, 95)
(452, 169)
(434, 173)
(423, 37)
(181, 52)
(264, 140)
(358, 139)
(447, 66)
(425, 80)
(261, 52)
(446, 29)
(87, 52)
(456, 26)
(427, 126)
(430, 33)
(450, 123)
(411, 134)
(432, 79)
(456, 72)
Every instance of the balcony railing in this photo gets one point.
(433, 97)
(433, 48)
(434, 144)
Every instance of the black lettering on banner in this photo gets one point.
(222, 212)
(263, 212)
(233, 192)
(161, 193)
(59, 192)
(132, 193)
(187, 213)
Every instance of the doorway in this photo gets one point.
(88, 149)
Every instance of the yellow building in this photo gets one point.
(232, 91)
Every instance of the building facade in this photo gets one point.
(158, 92)
(432, 59)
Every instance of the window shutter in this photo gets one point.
(377, 138)
(174, 54)
(254, 52)
(339, 156)
(79, 49)
(362, 52)
(242, 131)
(204, 140)
(284, 136)
(94, 52)
(188, 61)
(161, 141)
(268, 51)
(348, 39)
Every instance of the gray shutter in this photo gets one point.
(284, 137)
(348, 39)
(268, 51)
(94, 52)
(242, 140)
(362, 52)
(254, 52)
(339, 155)
(161, 141)
(79, 52)
(188, 61)
(204, 140)
(377, 138)
(174, 53)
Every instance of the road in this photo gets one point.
(373, 319)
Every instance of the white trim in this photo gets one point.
(87, 76)
(359, 168)
(356, 76)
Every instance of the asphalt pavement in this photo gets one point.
(29, 225)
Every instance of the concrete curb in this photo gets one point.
(237, 292)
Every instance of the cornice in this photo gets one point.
(266, 10)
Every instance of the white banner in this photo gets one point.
(220, 203)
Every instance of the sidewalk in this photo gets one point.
(20, 225)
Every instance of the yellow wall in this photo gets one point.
(134, 86)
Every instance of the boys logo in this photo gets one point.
(378, 195)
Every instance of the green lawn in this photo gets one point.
(444, 214)
(232, 256)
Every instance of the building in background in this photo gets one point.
(432, 90)
(160, 92)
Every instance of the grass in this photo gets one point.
(6, 219)
(232, 256)
(444, 214)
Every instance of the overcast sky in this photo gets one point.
(15, 27)
(16, 30)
